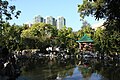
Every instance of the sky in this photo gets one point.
(66, 8)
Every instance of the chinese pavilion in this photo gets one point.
(85, 43)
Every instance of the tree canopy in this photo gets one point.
(108, 10)
(6, 10)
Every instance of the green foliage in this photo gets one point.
(112, 33)
(66, 39)
(38, 36)
(108, 9)
(86, 29)
(98, 39)
(85, 8)
(11, 36)
(108, 39)
(6, 11)
(8, 40)
(6, 31)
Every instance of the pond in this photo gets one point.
(70, 69)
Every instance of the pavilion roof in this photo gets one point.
(85, 38)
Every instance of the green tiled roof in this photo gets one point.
(85, 38)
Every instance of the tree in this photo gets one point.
(86, 29)
(98, 39)
(109, 10)
(66, 39)
(11, 69)
(6, 12)
(39, 36)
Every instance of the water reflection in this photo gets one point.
(75, 76)
(96, 76)
(70, 69)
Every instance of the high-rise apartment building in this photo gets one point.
(61, 22)
(39, 19)
(50, 20)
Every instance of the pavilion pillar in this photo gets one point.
(80, 46)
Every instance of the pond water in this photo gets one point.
(70, 69)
